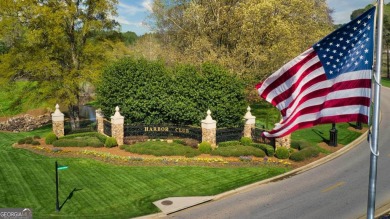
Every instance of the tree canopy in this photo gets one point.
(54, 43)
(252, 38)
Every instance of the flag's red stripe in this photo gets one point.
(287, 93)
(362, 101)
(287, 74)
(344, 85)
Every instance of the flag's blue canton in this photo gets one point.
(349, 48)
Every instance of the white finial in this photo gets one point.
(250, 119)
(117, 109)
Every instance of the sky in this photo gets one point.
(133, 13)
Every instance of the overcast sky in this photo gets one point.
(132, 13)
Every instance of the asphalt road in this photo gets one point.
(336, 189)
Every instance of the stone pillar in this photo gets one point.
(209, 130)
(249, 123)
(58, 122)
(283, 141)
(99, 120)
(117, 129)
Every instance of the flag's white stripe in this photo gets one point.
(357, 75)
(334, 111)
(276, 75)
(297, 76)
(356, 92)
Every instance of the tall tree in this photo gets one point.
(252, 38)
(54, 43)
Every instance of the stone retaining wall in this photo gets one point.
(25, 122)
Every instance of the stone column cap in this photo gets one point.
(99, 113)
(250, 119)
(57, 116)
(209, 123)
(117, 118)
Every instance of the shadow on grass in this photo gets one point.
(69, 197)
(321, 134)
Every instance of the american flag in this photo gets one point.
(328, 83)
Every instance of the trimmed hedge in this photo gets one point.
(110, 142)
(161, 94)
(158, 148)
(78, 142)
(101, 137)
(237, 151)
(205, 148)
(50, 138)
(299, 145)
(282, 153)
(268, 149)
(305, 154)
(229, 143)
(246, 141)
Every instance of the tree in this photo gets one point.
(54, 43)
(249, 37)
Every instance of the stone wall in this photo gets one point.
(25, 122)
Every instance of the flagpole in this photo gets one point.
(375, 121)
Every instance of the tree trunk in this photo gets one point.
(74, 114)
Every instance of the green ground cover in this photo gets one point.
(13, 99)
(102, 190)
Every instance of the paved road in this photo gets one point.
(337, 189)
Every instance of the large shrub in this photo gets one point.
(268, 149)
(205, 148)
(50, 138)
(305, 154)
(148, 92)
(282, 153)
(237, 151)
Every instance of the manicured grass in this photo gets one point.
(105, 190)
(320, 133)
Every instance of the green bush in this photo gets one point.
(305, 154)
(28, 140)
(179, 141)
(110, 142)
(160, 94)
(268, 149)
(37, 137)
(205, 148)
(246, 141)
(297, 156)
(159, 148)
(101, 137)
(237, 151)
(35, 143)
(22, 141)
(282, 153)
(299, 145)
(50, 138)
(229, 143)
(78, 142)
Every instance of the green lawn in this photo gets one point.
(105, 190)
